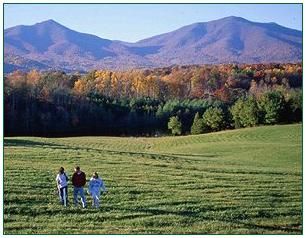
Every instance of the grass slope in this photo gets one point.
(246, 181)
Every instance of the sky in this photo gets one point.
(133, 22)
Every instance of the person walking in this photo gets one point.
(79, 181)
(94, 189)
(62, 186)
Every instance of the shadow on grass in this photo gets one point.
(196, 155)
(189, 216)
(153, 156)
(294, 228)
(185, 211)
(27, 143)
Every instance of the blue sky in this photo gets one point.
(132, 22)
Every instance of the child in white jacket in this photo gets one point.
(62, 184)
(94, 189)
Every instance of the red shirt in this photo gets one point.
(79, 180)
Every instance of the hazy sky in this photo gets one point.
(132, 22)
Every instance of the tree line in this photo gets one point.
(178, 99)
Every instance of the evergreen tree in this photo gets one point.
(213, 118)
(236, 110)
(198, 126)
(271, 106)
(294, 106)
(245, 112)
(175, 126)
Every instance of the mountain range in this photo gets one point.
(50, 45)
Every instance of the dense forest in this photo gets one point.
(179, 99)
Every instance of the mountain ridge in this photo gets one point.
(226, 40)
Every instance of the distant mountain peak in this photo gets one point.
(233, 18)
(226, 40)
(50, 23)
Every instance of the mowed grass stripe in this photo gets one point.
(246, 181)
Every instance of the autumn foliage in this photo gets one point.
(140, 102)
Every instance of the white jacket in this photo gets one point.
(62, 180)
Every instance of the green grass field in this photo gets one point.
(246, 181)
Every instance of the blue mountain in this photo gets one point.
(50, 45)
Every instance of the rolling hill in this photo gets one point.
(246, 181)
(50, 45)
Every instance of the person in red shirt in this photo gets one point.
(79, 181)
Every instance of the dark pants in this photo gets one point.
(63, 195)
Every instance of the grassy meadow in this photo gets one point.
(246, 181)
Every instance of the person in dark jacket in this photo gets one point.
(79, 181)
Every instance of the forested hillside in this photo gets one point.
(142, 102)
